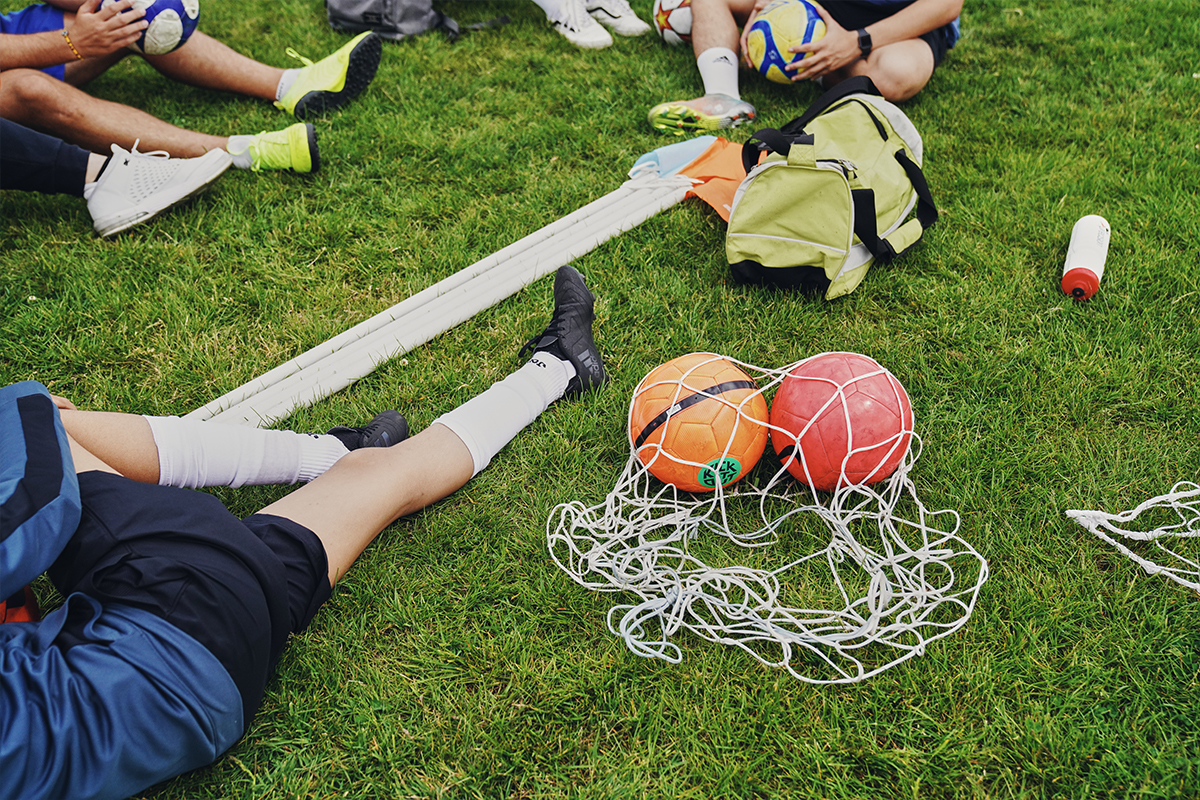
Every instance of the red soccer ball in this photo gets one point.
(841, 419)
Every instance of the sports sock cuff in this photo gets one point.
(462, 429)
(285, 83)
(239, 148)
(489, 421)
(719, 71)
(320, 452)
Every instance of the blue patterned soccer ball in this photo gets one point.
(171, 23)
(782, 24)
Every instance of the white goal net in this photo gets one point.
(833, 587)
(1168, 547)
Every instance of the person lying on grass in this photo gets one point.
(176, 611)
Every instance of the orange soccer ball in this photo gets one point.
(698, 420)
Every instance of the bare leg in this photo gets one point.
(899, 70)
(78, 73)
(38, 101)
(122, 441)
(85, 460)
(715, 23)
(366, 491)
(209, 64)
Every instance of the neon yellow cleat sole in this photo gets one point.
(708, 113)
(335, 80)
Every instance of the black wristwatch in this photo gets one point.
(864, 42)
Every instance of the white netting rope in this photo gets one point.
(1184, 501)
(891, 578)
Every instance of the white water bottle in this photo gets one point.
(1086, 254)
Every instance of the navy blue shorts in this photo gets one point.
(853, 15)
(37, 18)
(239, 587)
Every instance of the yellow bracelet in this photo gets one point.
(70, 45)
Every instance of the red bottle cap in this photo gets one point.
(1081, 283)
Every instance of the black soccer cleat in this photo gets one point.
(569, 334)
(388, 428)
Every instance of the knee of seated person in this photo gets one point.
(18, 86)
(896, 88)
(901, 70)
(28, 90)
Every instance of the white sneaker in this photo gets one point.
(617, 14)
(135, 187)
(573, 22)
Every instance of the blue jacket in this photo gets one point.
(95, 701)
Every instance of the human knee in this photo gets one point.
(21, 89)
(902, 69)
(27, 94)
(897, 88)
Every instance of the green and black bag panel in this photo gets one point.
(853, 125)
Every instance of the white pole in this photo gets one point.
(356, 352)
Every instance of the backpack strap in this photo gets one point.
(927, 212)
(866, 224)
(859, 84)
(770, 139)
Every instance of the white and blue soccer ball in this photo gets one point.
(171, 23)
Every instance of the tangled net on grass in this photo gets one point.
(887, 576)
(1183, 500)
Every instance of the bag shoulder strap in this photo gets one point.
(859, 84)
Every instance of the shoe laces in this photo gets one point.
(574, 15)
(150, 154)
(259, 146)
(306, 62)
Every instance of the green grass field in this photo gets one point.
(456, 661)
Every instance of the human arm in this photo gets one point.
(759, 5)
(93, 31)
(839, 47)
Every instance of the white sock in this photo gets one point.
(490, 420)
(239, 148)
(285, 83)
(719, 70)
(193, 454)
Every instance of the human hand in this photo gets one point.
(63, 403)
(99, 31)
(759, 5)
(837, 48)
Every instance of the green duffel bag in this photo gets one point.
(832, 195)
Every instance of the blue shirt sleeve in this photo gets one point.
(39, 493)
(104, 701)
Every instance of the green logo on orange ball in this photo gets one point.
(727, 468)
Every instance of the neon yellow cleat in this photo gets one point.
(334, 80)
(294, 148)
(712, 112)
